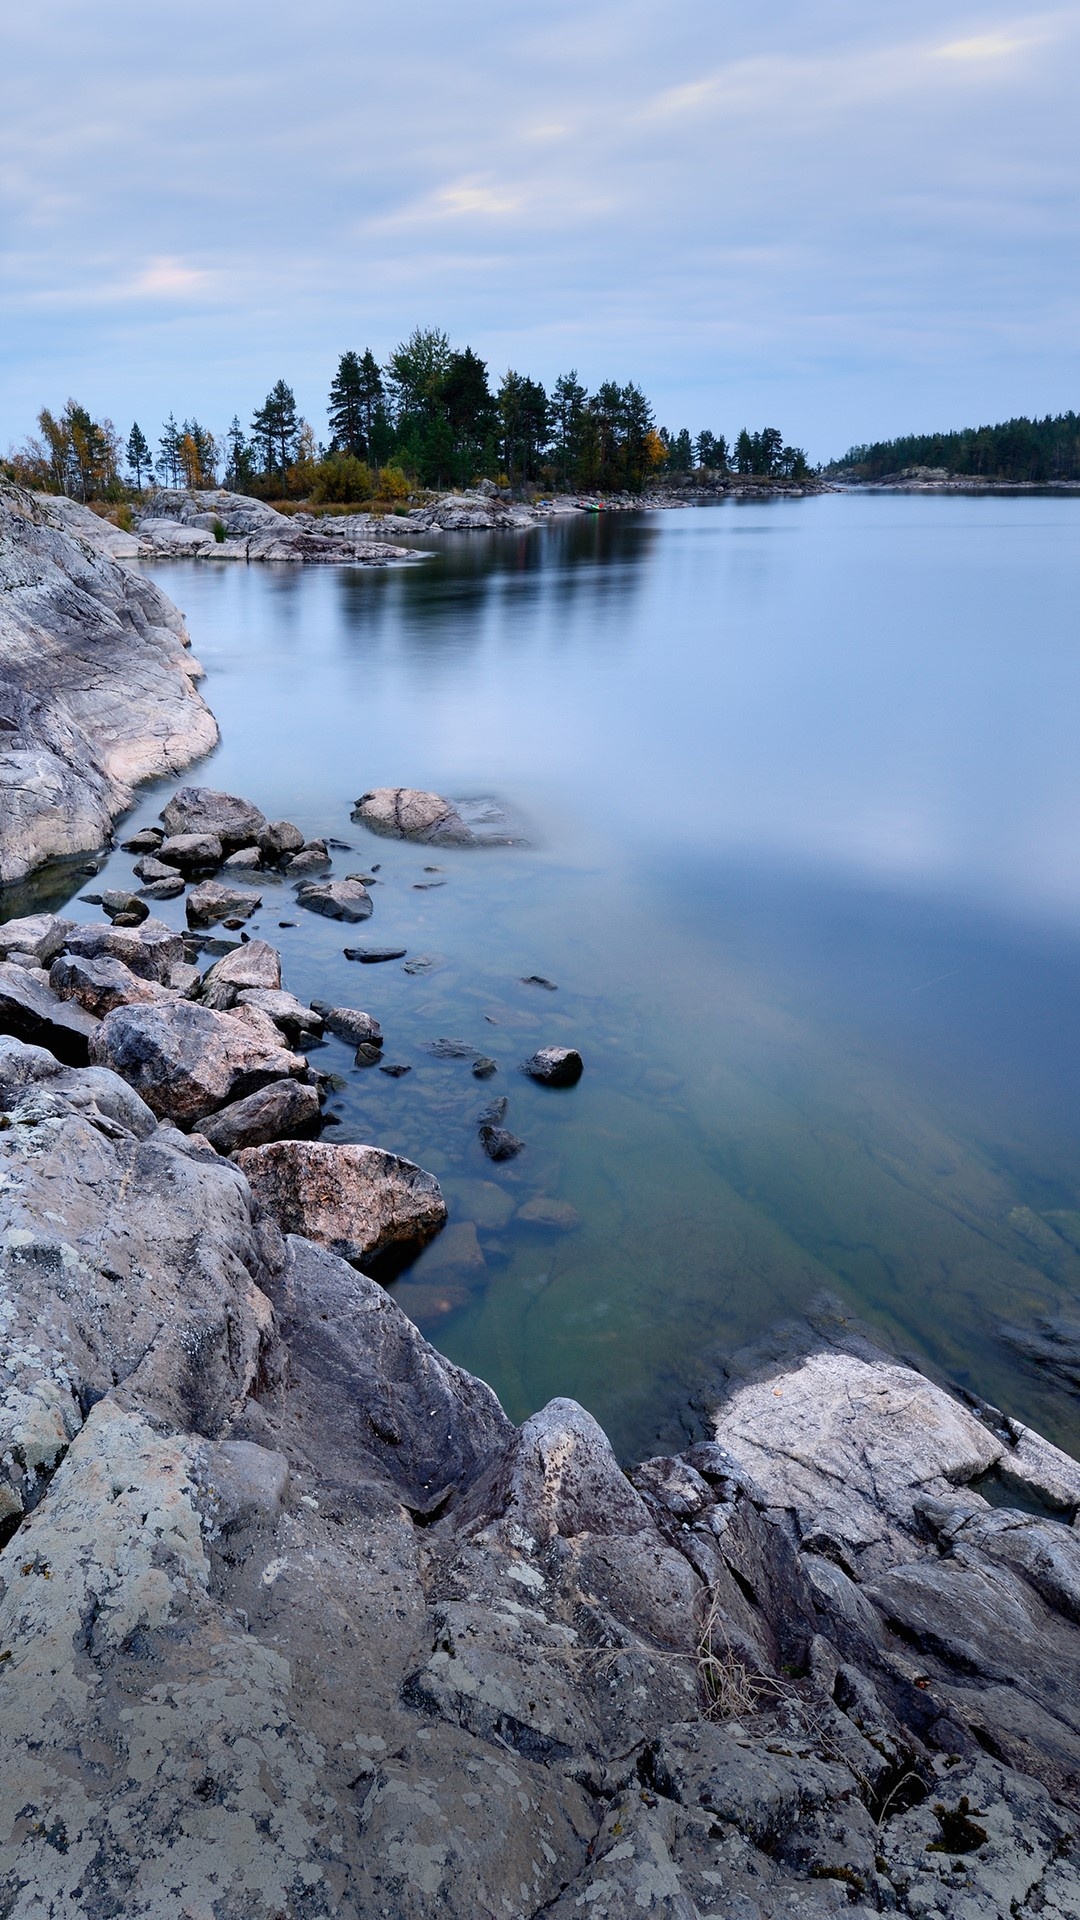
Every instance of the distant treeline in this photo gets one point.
(1031, 450)
(426, 418)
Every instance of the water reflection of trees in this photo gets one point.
(585, 570)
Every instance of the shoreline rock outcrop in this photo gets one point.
(294, 1621)
(97, 683)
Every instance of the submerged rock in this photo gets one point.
(358, 1201)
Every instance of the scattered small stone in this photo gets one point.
(147, 840)
(494, 1113)
(484, 1067)
(395, 1068)
(233, 924)
(371, 956)
(365, 879)
(450, 1049)
(287, 923)
(498, 1144)
(163, 889)
(421, 963)
(91, 899)
(538, 980)
(425, 886)
(434, 869)
(555, 1066)
(339, 846)
(376, 866)
(367, 1054)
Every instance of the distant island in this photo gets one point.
(1019, 452)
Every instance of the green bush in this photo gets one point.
(341, 479)
(221, 531)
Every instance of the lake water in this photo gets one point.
(801, 786)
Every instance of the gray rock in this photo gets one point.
(555, 1066)
(255, 964)
(147, 840)
(150, 868)
(405, 813)
(337, 899)
(295, 1020)
(374, 956)
(123, 906)
(191, 852)
(274, 1112)
(41, 935)
(163, 889)
(499, 1144)
(357, 1201)
(349, 1023)
(211, 901)
(30, 1011)
(151, 950)
(235, 822)
(244, 860)
(100, 985)
(309, 859)
(96, 688)
(280, 837)
(186, 1061)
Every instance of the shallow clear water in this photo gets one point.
(801, 785)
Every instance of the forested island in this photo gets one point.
(1027, 452)
(425, 419)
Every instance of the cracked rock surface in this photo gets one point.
(295, 1622)
(96, 684)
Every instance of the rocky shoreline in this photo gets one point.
(294, 1621)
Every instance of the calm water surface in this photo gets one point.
(802, 791)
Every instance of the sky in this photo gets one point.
(847, 221)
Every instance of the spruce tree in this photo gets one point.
(170, 452)
(346, 408)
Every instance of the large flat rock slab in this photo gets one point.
(96, 683)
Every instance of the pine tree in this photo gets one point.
(239, 458)
(569, 401)
(170, 452)
(346, 409)
(274, 429)
(138, 454)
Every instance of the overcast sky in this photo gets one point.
(847, 220)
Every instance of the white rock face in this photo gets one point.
(96, 683)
